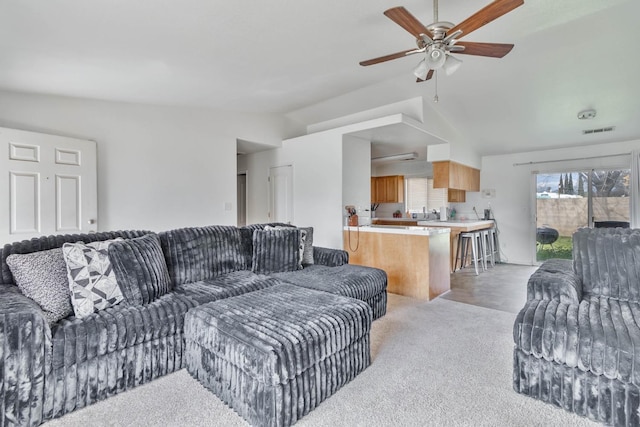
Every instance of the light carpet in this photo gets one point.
(438, 363)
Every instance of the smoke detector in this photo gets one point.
(586, 114)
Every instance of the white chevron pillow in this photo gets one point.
(91, 278)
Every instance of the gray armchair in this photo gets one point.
(577, 339)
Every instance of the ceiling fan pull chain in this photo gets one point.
(435, 75)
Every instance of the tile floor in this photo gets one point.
(503, 287)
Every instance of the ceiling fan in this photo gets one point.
(438, 40)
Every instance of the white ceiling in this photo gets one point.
(293, 56)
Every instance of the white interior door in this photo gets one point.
(281, 194)
(242, 199)
(48, 185)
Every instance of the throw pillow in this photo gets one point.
(276, 251)
(140, 268)
(42, 276)
(91, 278)
(306, 238)
(307, 256)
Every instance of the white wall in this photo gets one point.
(514, 202)
(158, 167)
(356, 176)
(317, 184)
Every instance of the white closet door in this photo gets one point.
(48, 185)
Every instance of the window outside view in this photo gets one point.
(570, 200)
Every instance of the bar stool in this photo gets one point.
(488, 249)
(475, 238)
(495, 245)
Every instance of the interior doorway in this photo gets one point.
(568, 200)
(242, 199)
(281, 194)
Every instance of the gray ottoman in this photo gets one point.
(275, 354)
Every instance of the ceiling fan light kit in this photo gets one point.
(438, 40)
(451, 65)
(435, 57)
(421, 70)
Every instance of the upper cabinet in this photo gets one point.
(448, 174)
(387, 189)
(458, 178)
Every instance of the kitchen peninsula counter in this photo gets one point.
(416, 259)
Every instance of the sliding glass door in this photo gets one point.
(568, 200)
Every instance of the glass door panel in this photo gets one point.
(566, 201)
(610, 190)
(561, 208)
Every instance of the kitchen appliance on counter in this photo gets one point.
(444, 213)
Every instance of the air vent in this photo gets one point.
(600, 130)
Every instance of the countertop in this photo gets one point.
(399, 229)
(404, 218)
(467, 223)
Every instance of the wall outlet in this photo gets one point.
(228, 206)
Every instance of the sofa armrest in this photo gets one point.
(330, 257)
(555, 279)
(25, 357)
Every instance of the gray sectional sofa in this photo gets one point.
(577, 339)
(52, 365)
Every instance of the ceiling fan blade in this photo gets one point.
(485, 15)
(406, 20)
(429, 75)
(494, 50)
(390, 57)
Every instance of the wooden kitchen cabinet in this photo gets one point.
(387, 189)
(456, 196)
(455, 176)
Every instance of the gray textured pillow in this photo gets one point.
(91, 278)
(306, 238)
(276, 251)
(307, 256)
(42, 276)
(140, 268)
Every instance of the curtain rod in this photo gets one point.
(569, 160)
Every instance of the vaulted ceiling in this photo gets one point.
(300, 58)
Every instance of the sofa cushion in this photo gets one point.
(140, 268)
(606, 261)
(42, 276)
(91, 278)
(276, 251)
(349, 280)
(555, 278)
(202, 253)
(599, 335)
(45, 243)
(225, 286)
(116, 328)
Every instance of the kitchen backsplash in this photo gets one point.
(386, 210)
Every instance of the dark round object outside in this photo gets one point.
(546, 235)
